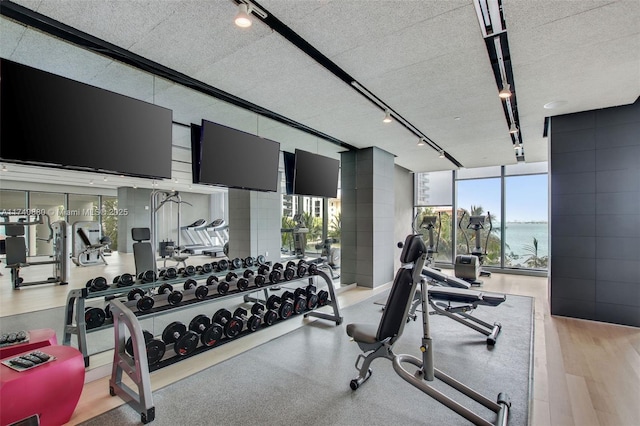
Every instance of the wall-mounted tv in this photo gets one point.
(315, 175)
(289, 160)
(49, 120)
(235, 159)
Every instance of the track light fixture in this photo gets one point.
(105, 179)
(517, 146)
(91, 182)
(441, 153)
(387, 117)
(505, 93)
(421, 142)
(242, 19)
(513, 129)
(4, 168)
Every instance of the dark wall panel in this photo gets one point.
(595, 215)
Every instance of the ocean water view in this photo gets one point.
(519, 235)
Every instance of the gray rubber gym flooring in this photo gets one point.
(302, 378)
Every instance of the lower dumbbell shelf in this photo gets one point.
(137, 368)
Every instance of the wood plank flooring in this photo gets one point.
(585, 372)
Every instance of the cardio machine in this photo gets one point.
(378, 341)
(300, 232)
(217, 234)
(469, 266)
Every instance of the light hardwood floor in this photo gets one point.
(585, 372)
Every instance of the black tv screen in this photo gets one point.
(49, 120)
(235, 159)
(315, 175)
(196, 135)
(289, 159)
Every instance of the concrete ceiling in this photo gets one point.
(426, 59)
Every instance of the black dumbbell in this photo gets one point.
(144, 302)
(299, 302)
(284, 272)
(222, 265)
(263, 269)
(258, 280)
(303, 267)
(209, 333)
(242, 283)
(309, 294)
(187, 271)
(261, 260)
(222, 286)
(236, 263)
(231, 325)
(323, 297)
(174, 297)
(155, 347)
(184, 341)
(284, 308)
(248, 262)
(253, 322)
(124, 280)
(268, 316)
(94, 317)
(147, 276)
(201, 290)
(206, 268)
(169, 273)
(97, 284)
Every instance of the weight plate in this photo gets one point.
(180, 271)
(199, 269)
(223, 265)
(312, 301)
(214, 266)
(259, 280)
(206, 268)
(165, 289)
(190, 283)
(233, 327)
(148, 276)
(302, 269)
(88, 284)
(323, 297)
(260, 260)
(94, 317)
(223, 287)
(199, 323)
(107, 311)
(274, 276)
(298, 292)
(272, 301)
(249, 262)
(173, 331)
(287, 296)
(128, 346)
(236, 263)
(257, 309)
(278, 266)
(313, 269)
(247, 273)
(212, 279)
(135, 292)
(291, 264)
(302, 262)
(145, 303)
(285, 310)
(211, 335)
(155, 351)
(253, 323)
(240, 312)
(170, 273)
(222, 316)
(190, 270)
(263, 269)
(125, 280)
(116, 279)
(175, 297)
(230, 276)
(270, 317)
(299, 305)
(242, 284)
(99, 284)
(289, 274)
(202, 292)
(186, 344)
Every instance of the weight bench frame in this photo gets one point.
(426, 371)
(89, 250)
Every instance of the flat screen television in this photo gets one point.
(315, 175)
(49, 120)
(235, 159)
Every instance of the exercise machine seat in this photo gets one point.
(142, 250)
(51, 391)
(15, 246)
(365, 333)
(471, 297)
(443, 279)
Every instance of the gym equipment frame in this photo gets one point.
(137, 367)
(380, 343)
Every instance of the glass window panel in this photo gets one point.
(478, 172)
(480, 197)
(11, 200)
(83, 208)
(442, 243)
(527, 224)
(53, 204)
(434, 188)
(110, 215)
(526, 168)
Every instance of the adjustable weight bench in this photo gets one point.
(456, 303)
(378, 341)
(85, 257)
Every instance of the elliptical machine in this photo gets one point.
(428, 223)
(469, 266)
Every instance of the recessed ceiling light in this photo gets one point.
(456, 118)
(555, 104)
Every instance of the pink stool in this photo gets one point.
(51, 390)
(37, 339)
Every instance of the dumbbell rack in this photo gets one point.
(137, 367)
(74, 320)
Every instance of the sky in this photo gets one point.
(526, 197)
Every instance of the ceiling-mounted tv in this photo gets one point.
(235, 159)
(315, 175)
(49, 120)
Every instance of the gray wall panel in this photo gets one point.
(619, 314)
(574, 225)
(575, 183)
(619, 293)
(573, 141)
